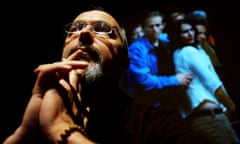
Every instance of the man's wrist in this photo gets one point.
(68, 132)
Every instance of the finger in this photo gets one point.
(74, 78)
(63, 68)
(85, 119)
(48, 75)
(75, 55)
(49, 68)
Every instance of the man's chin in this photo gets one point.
(93, 73)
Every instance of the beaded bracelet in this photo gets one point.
(67, 132)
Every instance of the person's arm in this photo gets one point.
(200, 66)
(222, 95)
(58, 107)
(57, 124)
(78, 138)
(205, 72)
(30, 129)
(215, 86)
(48, 115)
(28, 132)
(143, 69)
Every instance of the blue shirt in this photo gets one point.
(143, 72)
(164, 37)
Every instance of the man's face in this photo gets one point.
(153, 27)
(97, 35)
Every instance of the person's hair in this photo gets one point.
(174, 30)
(151, 14)
(197, 17)
(173, 16)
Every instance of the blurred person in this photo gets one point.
(136, 32)
(199, 19)
(151, 81)
(174, 16)
(206, 104)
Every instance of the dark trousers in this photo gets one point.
(155, 125)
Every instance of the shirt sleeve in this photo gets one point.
(200, 66)
(140, 70)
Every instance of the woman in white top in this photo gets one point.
(206, 104)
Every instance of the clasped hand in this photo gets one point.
(46, 111)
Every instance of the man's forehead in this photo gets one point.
(96, 15)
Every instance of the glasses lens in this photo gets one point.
(74, 27)
(102, 27)
(98, 28)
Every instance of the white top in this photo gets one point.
(205, 81)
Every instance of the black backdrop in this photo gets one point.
(32, 33)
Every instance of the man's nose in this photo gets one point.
(86, 37)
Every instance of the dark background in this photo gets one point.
(32, 34)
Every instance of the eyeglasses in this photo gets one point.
(98, 27)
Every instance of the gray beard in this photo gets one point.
(93, 73)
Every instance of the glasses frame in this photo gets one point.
(84, 25)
